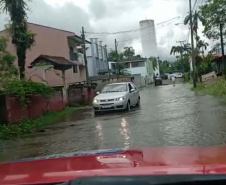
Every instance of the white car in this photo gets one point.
(178, 75)
(117, 96)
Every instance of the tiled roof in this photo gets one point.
(56, 60)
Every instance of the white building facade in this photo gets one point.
(139, 68)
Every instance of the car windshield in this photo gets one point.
(115, 88)
(79, 77)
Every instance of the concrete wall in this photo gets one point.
(138, 70)
(102, 83)
(48, 41)
(12, 112)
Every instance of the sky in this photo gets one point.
(113, 16)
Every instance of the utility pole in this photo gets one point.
(192, 47)
(84, 53)
(181, 53)
(222, 48)
(116, 46)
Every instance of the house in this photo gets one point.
(52, 42)
(140, 68)
(136, 65)
(97, 58)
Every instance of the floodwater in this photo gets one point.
(169, 116)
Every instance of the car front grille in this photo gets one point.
(107, 104)
(107, 100)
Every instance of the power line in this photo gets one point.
(202, 2)
(162, 24)
(194, 5)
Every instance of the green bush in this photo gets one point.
(22, 88)
(30, 126)
(217, 89)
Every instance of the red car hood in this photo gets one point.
(137, 161)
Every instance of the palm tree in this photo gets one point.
(181, 50)
(201, 46)
(119, 68)
(196, 17)
(177, 49)
(22, 38)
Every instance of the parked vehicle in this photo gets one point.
(117, 96)
(158, 81)
(178, 75)
(164, 76)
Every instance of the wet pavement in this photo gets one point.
(169, 116)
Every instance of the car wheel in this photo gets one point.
(96, 113)
(128, 107)
(138, 102)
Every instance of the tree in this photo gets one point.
(204, 64)
(8, 71)
(22, 38)
(183, 50)
(154, 62)
(164, 66)
(196, 18)
(119, 67)
(201, 46)
(177, 49)
(213, 13)
(128, 52)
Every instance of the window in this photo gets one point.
(130, 87)
(138, 64)
(134, 64)
(71, 49)
(115, 88)
(127, 65)
(133, 86)
(141, 64)
(75, 69)
(113, 66)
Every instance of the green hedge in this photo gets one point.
(22, 88)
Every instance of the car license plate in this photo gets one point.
(106, 106)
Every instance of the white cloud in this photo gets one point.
(59, 3)
(112, 16)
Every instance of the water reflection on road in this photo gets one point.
(169, 116)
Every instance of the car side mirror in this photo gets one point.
(132, 90)
(98, 93)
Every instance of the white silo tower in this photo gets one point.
(148, 38)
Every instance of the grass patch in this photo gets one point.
(217, 89)
(30, 126)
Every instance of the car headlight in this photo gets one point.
(95, 101)
(120, 99)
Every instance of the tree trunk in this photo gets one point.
(21, 62)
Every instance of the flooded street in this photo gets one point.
(169, 116)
